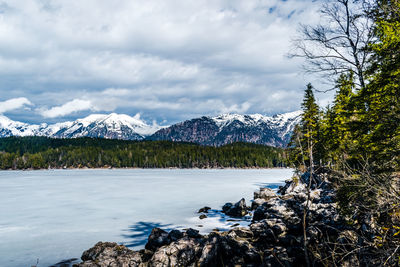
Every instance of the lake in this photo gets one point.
(54, 215)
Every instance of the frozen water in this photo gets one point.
(54, 215)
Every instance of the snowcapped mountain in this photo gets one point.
(113, 126)
(11, 128)
(229, 128)
(216, 131)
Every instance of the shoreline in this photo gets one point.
(273, 237)
(123, 199)
(136, 168)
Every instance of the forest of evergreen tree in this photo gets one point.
(43, 153)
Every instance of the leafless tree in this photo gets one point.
(339, 43)
(310, 152)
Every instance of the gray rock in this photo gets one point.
(262, 233)
(157, 238)
(183, 252)
(202, 216)
(259, 214)
(265, 193)
(226, 207)
(105, 254)
(204, 209)
(210, 253)
(237, 210)
(193, 233)
(174, 235)
(243, 232)
(257, 202)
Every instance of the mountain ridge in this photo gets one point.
(207, 130)
(229, 128)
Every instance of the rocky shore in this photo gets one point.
(275, 236)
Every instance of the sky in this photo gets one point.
(166, 60)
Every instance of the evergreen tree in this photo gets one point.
(336, 124)
(310, 125)
(41, 152)
(304, 146)
(381, 97)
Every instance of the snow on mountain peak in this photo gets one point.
(16, 128)
(122, 126)
(229, 128)
(289, 115)
(95, 125)
(225, 119)
(254, 119)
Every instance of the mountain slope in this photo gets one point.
(111, 126)
(230, 128)
(215, 131)
(15, 128)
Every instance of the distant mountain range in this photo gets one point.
(113, 126)
(230, 128)
(215, 131)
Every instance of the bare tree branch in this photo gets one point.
(338, 45)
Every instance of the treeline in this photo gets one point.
(43, 153)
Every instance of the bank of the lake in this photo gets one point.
(300, 226)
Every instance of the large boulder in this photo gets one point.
(105, 254)
(230, 249)
(226, 207)
(269, 230)
(183, 252)
(257, 202)
(157, 238)
(259, 214)
(242, 232)
(193, 233)
(175, 235)
(210, 253)
(265, 193)
(239, 209)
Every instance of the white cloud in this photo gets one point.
(14, 103)
(167, 59)
(67, 108)
(235, 108)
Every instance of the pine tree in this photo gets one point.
(381, 97)
(310, 125)
(336, 124)
(304, 148)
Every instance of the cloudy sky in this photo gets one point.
(168, 60)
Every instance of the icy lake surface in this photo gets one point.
(54, 215)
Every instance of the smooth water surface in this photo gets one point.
(52, 215)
